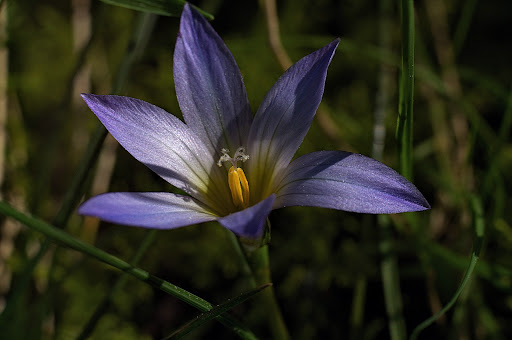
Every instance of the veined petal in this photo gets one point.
(286, 113)
(209, 85)
(158, 210)
(249, 222)
(347, 181)
(162, 142)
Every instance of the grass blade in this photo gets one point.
(405, 109)
(479, 228)
(213, 313)
(162, 7)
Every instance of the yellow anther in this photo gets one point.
(245, 186)
(238, 184)
(239, 187)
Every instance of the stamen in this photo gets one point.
(238, 184)
(239, 156)
(245, 186)
(235, 187)
(224, 158)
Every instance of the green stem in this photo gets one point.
(246, 268)
(259, 262)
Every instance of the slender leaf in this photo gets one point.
(213, 313)
(405, 109)
(479, 229)
(163, 7)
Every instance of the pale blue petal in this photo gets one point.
(209, 85)
(347, 181)
(250, 222)
(163, 143)
(286, 113)
(157, 210)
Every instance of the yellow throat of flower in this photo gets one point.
(238, 184)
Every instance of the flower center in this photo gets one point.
(238, 184)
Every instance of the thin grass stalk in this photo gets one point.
(461, 32)
(406, 99)
(220, 309)
(391, 281)
(479, 231)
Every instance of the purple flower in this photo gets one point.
(236, 168)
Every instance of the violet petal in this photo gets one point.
(249, 222)
(347, 181)
(209, 85)
(286, 113)
(158, 210)
(161, 141)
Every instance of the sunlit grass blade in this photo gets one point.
(479, 229)
(67, 240)
(213, 313)
(162, 7)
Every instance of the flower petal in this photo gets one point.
(347, 181)
(249, 222)
(162, 142)
(209, 85)
(286, 113)
(158, 210)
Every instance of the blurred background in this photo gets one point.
(327, 266)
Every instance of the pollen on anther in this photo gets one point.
(224, 158)
(238, 156)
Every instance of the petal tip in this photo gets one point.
(249, 223)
